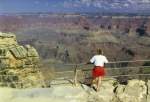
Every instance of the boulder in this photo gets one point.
(19, 65)
(148, 86)
(106, 93)
(134, 91)
(110, 91)
(7, 37)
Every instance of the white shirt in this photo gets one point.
(99, 60)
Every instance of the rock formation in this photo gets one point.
(18, 64)
(110, 91)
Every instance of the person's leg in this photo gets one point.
(99, 82)
(93, 82)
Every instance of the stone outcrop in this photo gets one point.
(106, 93)
(110, 91)
(134, 91)
(7, 38)
(19, 65)
(148, 91)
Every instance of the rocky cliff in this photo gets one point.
(110, 91)
(19, 65)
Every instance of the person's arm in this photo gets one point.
(106, 61)
(89, 63)
(92, 60)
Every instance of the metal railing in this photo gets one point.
(117, 66)
(82, 71)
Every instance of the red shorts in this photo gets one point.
(98, 71)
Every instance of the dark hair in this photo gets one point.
(99, 51)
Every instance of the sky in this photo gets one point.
(10, 6)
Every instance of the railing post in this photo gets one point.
(75, 76)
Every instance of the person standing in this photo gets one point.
(98, 71)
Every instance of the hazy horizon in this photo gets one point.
(75, 6)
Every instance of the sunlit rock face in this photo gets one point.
(110, 91)
(106, 93)
(148, 96)
(19, 65)
(134, 91)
